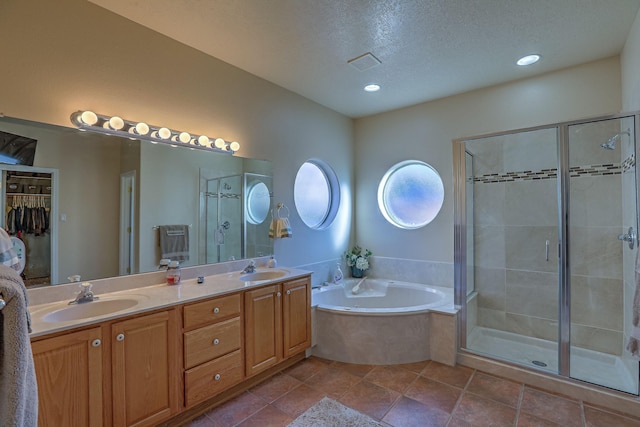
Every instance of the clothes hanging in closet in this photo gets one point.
(27, 214)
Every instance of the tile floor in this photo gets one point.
(422, 394)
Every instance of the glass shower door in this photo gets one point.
(602, 247)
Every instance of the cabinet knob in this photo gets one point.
(278, 294)
(216, 341)
(217, 377)
(288, 291)
(120, 337)
(216, 310)
(96, 343)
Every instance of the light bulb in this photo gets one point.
(89, 118)
(184, 137)
(164, 133)
(142, 128)
(116, 123)
(235, 146)
(203, 140)
(372, 88)
(528, 60)
(219, 143)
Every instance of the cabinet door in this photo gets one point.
(69, 373)
(296, 320)
(263, 328)
(145, 366)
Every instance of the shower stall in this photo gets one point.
(545, 248)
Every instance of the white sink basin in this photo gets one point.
(89, 309)
(262, 275)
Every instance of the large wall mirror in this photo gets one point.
(93, 206)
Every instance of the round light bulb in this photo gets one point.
(372, 88)
(203, 140)
(184, 137)
(235, 146)
(219, 143)
(142, 128)
(528, 60)
(116, 123)
(164, 133)
(89, 118)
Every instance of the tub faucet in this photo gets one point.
(251, 268)
(357, 288)
(85, 294)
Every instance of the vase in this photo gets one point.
(356, 272)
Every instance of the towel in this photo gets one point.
(174, 242)
(280, 228)
(18, 386)
(634, 340)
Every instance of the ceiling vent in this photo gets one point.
(364, 61)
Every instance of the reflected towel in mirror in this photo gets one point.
(174, 242)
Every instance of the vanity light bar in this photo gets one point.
(115, 125)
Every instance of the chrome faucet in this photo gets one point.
(251, 268)
(85, 294)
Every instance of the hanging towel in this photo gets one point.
(174, 242)
(634, 340)
(18, 386)
(280, 228)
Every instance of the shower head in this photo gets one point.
(611, 143)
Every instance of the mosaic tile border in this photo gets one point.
(574, 172)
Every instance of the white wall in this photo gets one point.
(630, 69)
(425, 132)
(65, 55)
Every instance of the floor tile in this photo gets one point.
(357, 370)
(416, 367)
(551, 407)
(528, 420)
(299, 400)
(494, 388)
(481, 412)
(334, 382)
(370, 399)
(275, 387)
(393, 377)
(457, 376)
(410, 413)
(235, 410)
(201, 421)
(597, 418)
(306, 368)
(269, 416)
(434, 394)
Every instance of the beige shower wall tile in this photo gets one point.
(596, 201)
(596, 252)
(487, 155)
(531, 203)
(596, 339)
(472, 314)
(488, 203)
(526, 249)
(597, 302)
(532, 326)
(532, 150)
(532, 293)
(489, 246)
(493, 319)
(491, 287)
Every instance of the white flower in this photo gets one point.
(362, 263)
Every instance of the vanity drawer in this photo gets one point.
(211, 378)
(209, 342)
(211, 310)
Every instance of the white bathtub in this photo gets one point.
(386, 322)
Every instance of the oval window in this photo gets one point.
(258, 203)
(410, 194)
(316, 194)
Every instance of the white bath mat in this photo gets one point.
(329, 413)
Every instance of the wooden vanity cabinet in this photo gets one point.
(69, 374)
(212, 347)
(278, 323)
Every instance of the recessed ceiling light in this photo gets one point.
(372, 88)
(528, 60)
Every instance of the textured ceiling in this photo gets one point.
(428, 49)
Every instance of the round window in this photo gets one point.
(316, 194)
(410, 194)
(258, 203)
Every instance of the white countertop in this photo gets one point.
(153, 297)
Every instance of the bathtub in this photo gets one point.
(386, 322)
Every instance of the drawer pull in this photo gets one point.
(216, 310)
(288, 291)
(96, 343)
(120, 337)
(217, 377)
(278, 294)
(216, 341)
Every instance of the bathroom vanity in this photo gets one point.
(156, 360)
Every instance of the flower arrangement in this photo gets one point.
(357, 258)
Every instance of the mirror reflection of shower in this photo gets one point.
(611, 143)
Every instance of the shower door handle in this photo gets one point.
(630, 237)
(546, 250)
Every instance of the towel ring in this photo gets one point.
(279, 206)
